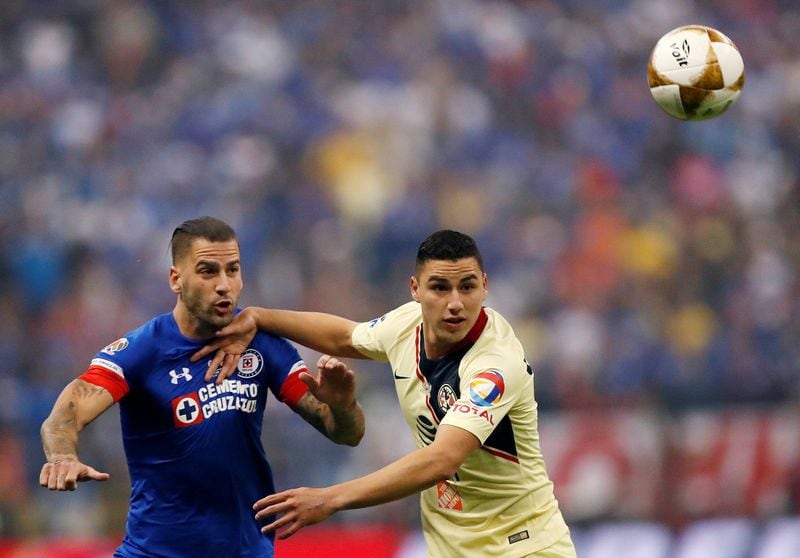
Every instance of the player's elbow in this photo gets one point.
(443, 466)
(350, 431)
(352, 438)
(444, 471)
(352, 442)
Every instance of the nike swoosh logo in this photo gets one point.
(396, 377)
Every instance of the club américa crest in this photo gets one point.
(446, 397)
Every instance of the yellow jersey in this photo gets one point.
(500, 502)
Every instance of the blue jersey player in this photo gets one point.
(193, 445)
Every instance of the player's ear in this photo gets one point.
(414, 285)
(174, 280)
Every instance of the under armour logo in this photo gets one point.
(184, 374)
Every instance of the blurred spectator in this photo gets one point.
(646, 262)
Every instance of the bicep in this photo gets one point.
(343, 339)
(455, 443)
(84, 401)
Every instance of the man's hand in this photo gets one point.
(330, 404)
(298, 507)
(334, 384)
(65, 474)
(232, 340)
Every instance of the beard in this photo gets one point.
(206, 317)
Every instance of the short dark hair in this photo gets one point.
(210, 228)
(448, 245)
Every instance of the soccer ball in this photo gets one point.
(695, 73)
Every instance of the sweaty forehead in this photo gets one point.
(203, 249)
(451, 270)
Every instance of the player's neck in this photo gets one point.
(436, 349)
(189, 325)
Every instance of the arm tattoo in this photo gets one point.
(340, 426)
(60, 430)
(310, 408)
(85, 390)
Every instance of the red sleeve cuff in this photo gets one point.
(293, 388)
(113, 382)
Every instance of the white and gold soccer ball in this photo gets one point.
(695, 72)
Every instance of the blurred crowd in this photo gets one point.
(644, 262)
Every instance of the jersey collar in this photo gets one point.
(474, 333)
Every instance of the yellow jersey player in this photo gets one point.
(467, 394)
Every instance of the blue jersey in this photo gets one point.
(193, 448)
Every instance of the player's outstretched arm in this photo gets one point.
(322, 332)
(330, 404)
(420, 469)
(79, 404)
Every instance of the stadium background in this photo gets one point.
(649, 266)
